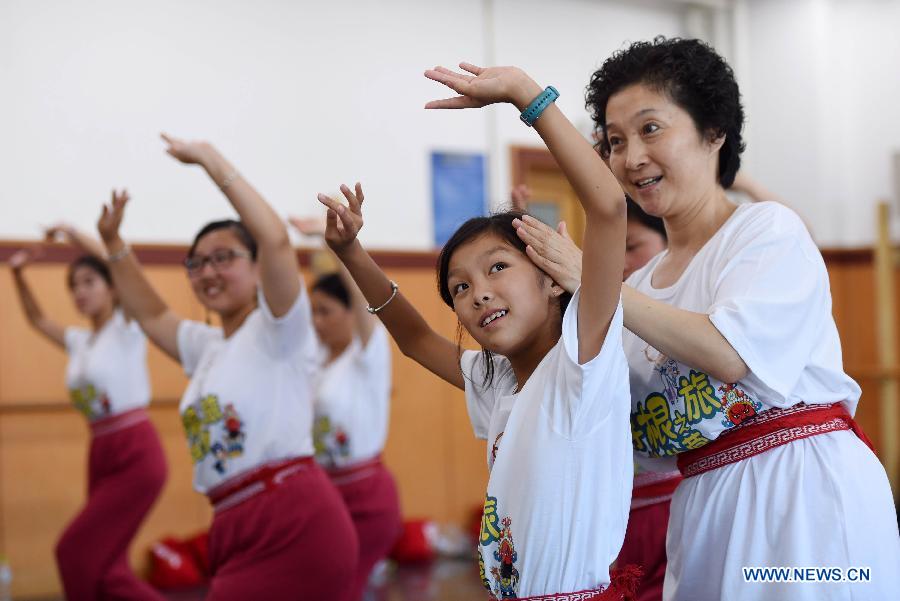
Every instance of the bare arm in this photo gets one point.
(363, 320)
(412, 333)
(52, 330)
(664, 327)
(277, 260)
(596, 187)
(657, 323)
(64, 232)
(138, 297)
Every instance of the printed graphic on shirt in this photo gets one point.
(92, 403)
(664, 422)
(213, 431)
(330, 441)
(503, 582)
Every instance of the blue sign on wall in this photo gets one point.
(457, 191)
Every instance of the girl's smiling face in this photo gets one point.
(500, 297)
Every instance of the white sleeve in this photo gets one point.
(581, 396)
(480, 395)
(375, 356)
(771, 301)
(293, 330)
(193, 337)
(75, 338)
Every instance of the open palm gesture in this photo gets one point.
(111, 216)
(342, 223)
(483, 87)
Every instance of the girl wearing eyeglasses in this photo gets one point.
(280, 529)
(107, 381)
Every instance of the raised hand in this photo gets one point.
(483, 87)
(520, 196)
(23, 257)
(58, 232)
(188, 152)
(111, 216)
(308, 226)
(342, 223)
(553, 251)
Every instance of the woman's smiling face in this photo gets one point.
(656, 152)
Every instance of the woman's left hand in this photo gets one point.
(553, 251)
(484, 86)
(188, 152)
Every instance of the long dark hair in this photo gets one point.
(332, 285)
(499, 224)
(93, 263)
(240, 230)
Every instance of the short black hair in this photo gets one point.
(332, 285)
(240, 230)
(93, 263)
(693, 75)
(501, 225)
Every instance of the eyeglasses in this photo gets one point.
(219, 259)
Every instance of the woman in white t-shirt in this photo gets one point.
(736, 370)
(108, 383)
(549, 390)
(280, 529)
(352, 408)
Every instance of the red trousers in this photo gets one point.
(645, 545)
(126, 472)
(294, 541)
(371, 497)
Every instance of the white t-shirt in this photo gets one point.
(560, 458)
(249, 400)
(107, 370)
(764, 285)
(352, 403)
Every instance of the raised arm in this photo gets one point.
(596, 187)
(64, 232)
(412, 333)
(278, 268)
(53, 331)
(364, 321)
(138, 297)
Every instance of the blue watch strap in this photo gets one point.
(537, 106)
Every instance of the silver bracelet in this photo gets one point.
(229, 179)
(394, 289)
(118, 256)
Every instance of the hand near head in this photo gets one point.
(553, 251)
(188, 152)
(342, 223)
(520, 196)
(23, 257)
(483, 87)
(308, 226)
(111, 216)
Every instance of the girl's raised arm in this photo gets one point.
(413, 335)
(596, 187)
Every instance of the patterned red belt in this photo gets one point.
(352, 473)
(651, 488)
(767, 430)
(258, 480)
(623, 584)
(119, 421)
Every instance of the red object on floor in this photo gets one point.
(173, 565)
(414, 545)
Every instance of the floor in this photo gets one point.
(442, 580)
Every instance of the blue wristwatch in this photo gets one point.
(537, 106)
